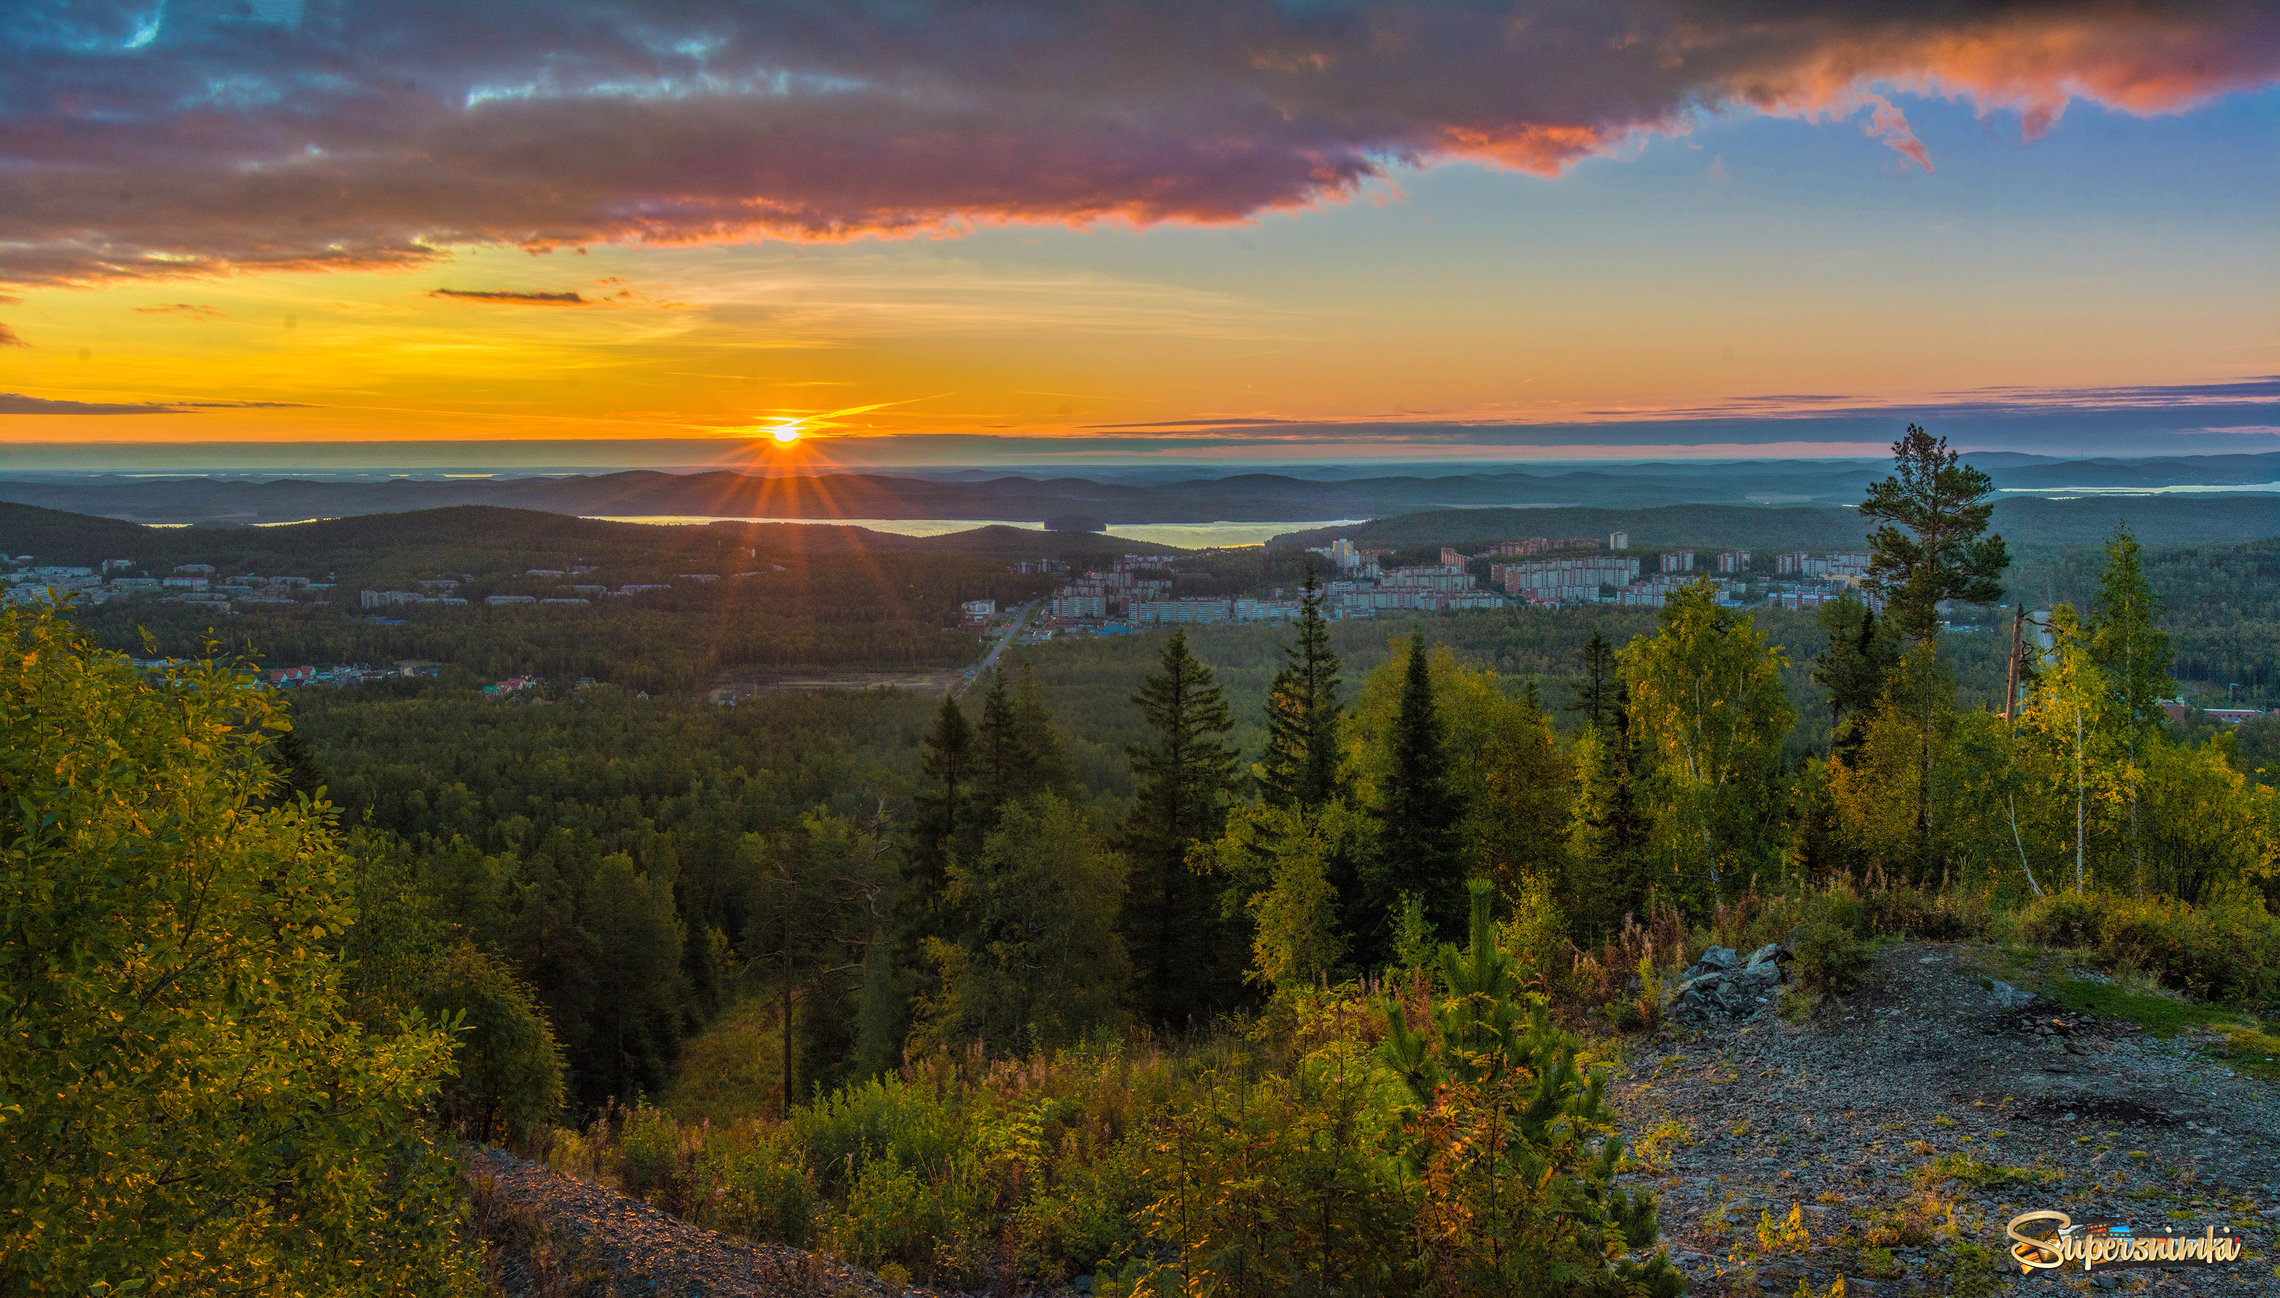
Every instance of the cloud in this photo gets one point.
(14, 403)
(8, 338)
(187, 138)
(519, 299)
(179, 308)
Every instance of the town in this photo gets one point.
(1137, 591)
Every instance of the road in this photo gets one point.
(989, 659)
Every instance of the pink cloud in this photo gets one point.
(404, 126)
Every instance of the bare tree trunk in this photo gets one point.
(2078, 807)
(2016, 842)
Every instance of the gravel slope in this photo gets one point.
(559, 1236)
(1848, 1116)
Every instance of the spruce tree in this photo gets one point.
(2128, 644)
(943, 818)
(2126, 639)
(1301, 764)
(1179, 942)
(1419, 818)
(1017, 752)
(1595, 689)
(1853, 668)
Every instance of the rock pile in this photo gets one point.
(1723, 985)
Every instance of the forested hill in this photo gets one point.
(1113, 495)
(446, 537)
(2032, 522)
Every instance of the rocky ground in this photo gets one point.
(557, 1237)
(1888, 1137)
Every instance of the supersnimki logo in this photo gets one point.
(2112, 1244)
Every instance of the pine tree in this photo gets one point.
(1942, 554)
(1180, 943)
(1301, 763)
(1419, 818)
(1609, 836)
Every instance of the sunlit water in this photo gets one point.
(1187, 536)
(2180, 489)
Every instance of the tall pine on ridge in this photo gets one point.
(1180, 945)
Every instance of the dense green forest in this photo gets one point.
(1264, 959)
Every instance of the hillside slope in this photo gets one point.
(1909, 1122)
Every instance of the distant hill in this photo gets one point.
(2027, 522)
(1198, 497)
(435, 534)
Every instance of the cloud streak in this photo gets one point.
(193, 138)
(511, 299)
(16, 403)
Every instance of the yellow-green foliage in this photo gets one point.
(184, 1107)
(2228, 950)
(1504, 766)
(1708, 707)
(1300, 1161)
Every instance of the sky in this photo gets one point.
(1101, 230)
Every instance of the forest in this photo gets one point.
(1264, 961)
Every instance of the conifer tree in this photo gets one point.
(1041, 963)
(1180, 944)
(1301, 764)
(1942, 554)
(1853, 669)
(1609, 836)
(1595, 690)
(1017, 750)
(942, 813)
(2129, 646)
(1419, 818)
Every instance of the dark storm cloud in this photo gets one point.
(163, 138)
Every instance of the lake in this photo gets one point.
(1187, 536)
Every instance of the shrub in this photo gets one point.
(649, 1157)
(756, 1185)
(2228, 950)
(2063, 919)
(1830, 956)
(509, 1081)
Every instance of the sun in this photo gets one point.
(786, 432)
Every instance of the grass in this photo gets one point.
(731, 1070)
(2250, 1045)
(1987, 1176)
